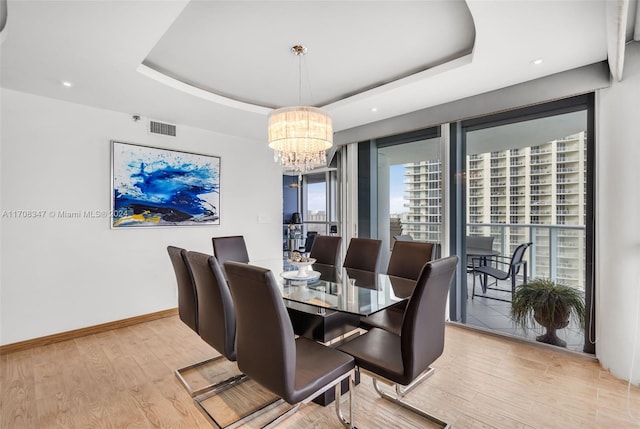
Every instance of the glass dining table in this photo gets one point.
(328, 302)
(346, 290)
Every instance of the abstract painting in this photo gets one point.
(160, 187)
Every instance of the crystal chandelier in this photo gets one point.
(300, 135)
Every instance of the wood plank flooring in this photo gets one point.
(124, 378)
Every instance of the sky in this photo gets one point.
(316, 192)
(316, 195)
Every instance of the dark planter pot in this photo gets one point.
(560, 320)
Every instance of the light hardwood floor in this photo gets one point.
(124, 378)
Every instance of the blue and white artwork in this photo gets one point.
(160, 187)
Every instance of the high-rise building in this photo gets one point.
(533, 194)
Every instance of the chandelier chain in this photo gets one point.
(300, 80)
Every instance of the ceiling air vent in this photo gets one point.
(156, 127)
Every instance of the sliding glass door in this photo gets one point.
(528, 180)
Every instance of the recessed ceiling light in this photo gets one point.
(374, 109)
(537, 61)
(67, 83)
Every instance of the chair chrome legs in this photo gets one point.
(352, 385)
(289, 412)
(194, 392)
(242, 420)
(275, 422)
(400, 392)
(338, 389)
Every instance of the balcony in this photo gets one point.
(566, 191)
(563, 159)
(568, 180)
(567, 212)
(536, 150)
(564, 202)
(540, 171)
(545, 260)
(539, 161)
(555, 247)
(566, 169)
(539, 192)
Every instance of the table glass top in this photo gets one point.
(341, 289)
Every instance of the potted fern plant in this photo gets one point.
(550, 304)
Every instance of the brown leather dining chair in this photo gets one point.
(296, 369)
(231, 248)
(187, 306)
(216, 322)
(408, 258)
(187, 300)
(308, 242)
(406, 261)
(214, 315)
(326, 250)
(363, 254)
(405, 359)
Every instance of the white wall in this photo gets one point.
(62, 274)
(618, 222)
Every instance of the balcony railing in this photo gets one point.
(558, 250)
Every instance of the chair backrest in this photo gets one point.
(265, 340)
(308, 243)
(480, 242)
(517, 258)
(403, 237)
(408, 258)
(216, 315)
(232, 248)
(326, 249)
(187, 296)
(362, 278)
(329, 273)
(363, 254)
(422, 334)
